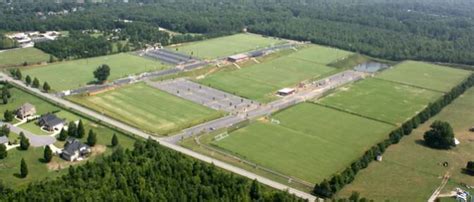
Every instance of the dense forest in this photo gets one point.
(149, 172)
(431, 30)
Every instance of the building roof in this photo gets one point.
(73, 145)
(26, 107)
(50, 120)
(286, 90)
(238, 56)
(3, 139)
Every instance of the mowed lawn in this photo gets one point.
(21, 55)
(425, 75)
(10, 166)
(77, 73)
(261, 81)
(148, 108)
(310, 143)
(226, 46)
(381, 100)
(411, 171)
(321, 54)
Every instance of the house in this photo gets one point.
(25, 110)
(286, 91)
(238, 58)
(51, 122)
(3, 140)
(74, 150)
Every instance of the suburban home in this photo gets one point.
(51, 122)
(74, 150)
(3, 139)
(26, 110)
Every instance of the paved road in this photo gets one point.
(175, 147)
(35, 140)
(314, 90)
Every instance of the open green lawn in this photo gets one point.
(38, 170)
(425, 75)
(410, 171)
(226, 46)
(261, 81)
(381, 100)
(321, 54)
(20, 55)
(310, 143)
(148, 108)
(77, 73)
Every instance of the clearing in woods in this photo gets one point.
(21, 55)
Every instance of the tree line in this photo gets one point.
(328, 187)
(396, 30)
(149, 172)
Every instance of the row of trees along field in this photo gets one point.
(429, 30)
(149, 172)
(328, 188)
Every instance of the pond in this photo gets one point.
(370, 67)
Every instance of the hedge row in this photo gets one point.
(327, 188)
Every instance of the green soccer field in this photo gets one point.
(381, 100)
(261, 81)
(226, 46)
(411, 171)
(310, 143)
(321, 54)
(77, 73)
(20, 55)
(148, 108)
(425, 75)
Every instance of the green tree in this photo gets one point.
(91, 138)
(8, 115)
(46, 87)
(80, 132)
(470, 167)
(36, 83)
(24, 142)
(102, 73)
(62, 135)
(48, 154)
(115, 140)
(440, 136)
(4, 130)
(72, 129)
(51, 58)
(4, 99)
(6, 92)
(255, 192)
(28, 80)
(323, 189)
(23, 168)
(3, 151)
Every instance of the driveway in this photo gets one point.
(35, 140)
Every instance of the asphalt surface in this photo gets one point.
(35, 140)
(200, 94)
(175, 147)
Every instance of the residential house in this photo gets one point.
(74, 150)
(26, 110)
(51, 122)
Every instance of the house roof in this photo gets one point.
(238, 56)
(26, 107)
(3, 139)
(72, 145)
(286, 90)
(50, 120)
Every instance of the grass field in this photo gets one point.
(411, 171)
(225, 46)
(148, 108)
(77, 73)
(425, 75)
(10, 166)
(21, 55)
(321, 54)
(261, 81)
(381, 100)
(310, 143)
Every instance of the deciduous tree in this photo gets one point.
(102, 73)
(48, 154)
(440, 136)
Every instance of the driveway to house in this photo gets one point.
(35, 140)
(169, 145)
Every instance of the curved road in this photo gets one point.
(177, 148)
